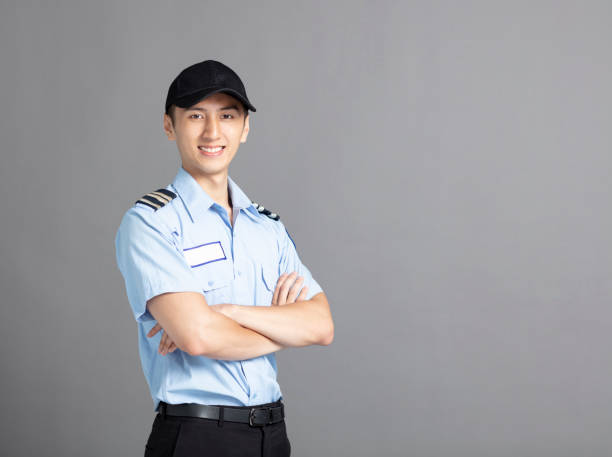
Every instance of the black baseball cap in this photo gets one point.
(203, 79)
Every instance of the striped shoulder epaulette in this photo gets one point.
(157, 199)
(266, 212)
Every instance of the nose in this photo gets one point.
(211, 128)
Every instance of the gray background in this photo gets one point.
(444, 168)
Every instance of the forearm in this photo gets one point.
(297, 324)
(225, 339)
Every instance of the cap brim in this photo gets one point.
(189, 100)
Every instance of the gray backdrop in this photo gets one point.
(445, 171)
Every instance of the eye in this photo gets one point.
(229, 116)
(191, 117)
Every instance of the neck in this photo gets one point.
(216, 186)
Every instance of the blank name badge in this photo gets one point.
(204, 253)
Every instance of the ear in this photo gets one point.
(245, 130)
(169, 128)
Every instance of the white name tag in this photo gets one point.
(204, 253)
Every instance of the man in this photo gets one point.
(215, 284)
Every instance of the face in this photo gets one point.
(208, 134)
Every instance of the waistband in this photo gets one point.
(255, 416)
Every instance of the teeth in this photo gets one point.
(210, 149)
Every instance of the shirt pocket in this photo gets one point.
(216, 280)
(269, 277)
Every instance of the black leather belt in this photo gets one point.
(256, 416)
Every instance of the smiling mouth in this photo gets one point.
(211, 151)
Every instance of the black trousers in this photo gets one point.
(182, 436)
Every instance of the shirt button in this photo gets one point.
(239, 273)
(211, 282)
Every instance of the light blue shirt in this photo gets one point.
(190, 245)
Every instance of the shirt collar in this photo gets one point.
(197, 201)
(239, 198)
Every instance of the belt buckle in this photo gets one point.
(252, 413)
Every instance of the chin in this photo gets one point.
(211, 170)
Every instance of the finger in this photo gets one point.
(279, 283)
(167, 343)
(172, 347)
(286, 287)
(163, 343)
(160, 348)
(284, 290)
(303, 294)
(156, 328)
(295, 289)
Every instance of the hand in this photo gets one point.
(287, 290)
(166, 344)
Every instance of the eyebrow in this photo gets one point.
(197, 108)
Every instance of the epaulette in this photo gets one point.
(157, 199)
(268, 213)
(274, 216)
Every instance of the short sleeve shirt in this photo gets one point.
(189, 245)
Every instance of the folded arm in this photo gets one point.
(290, 321)
(302, 323)
(198, 330)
